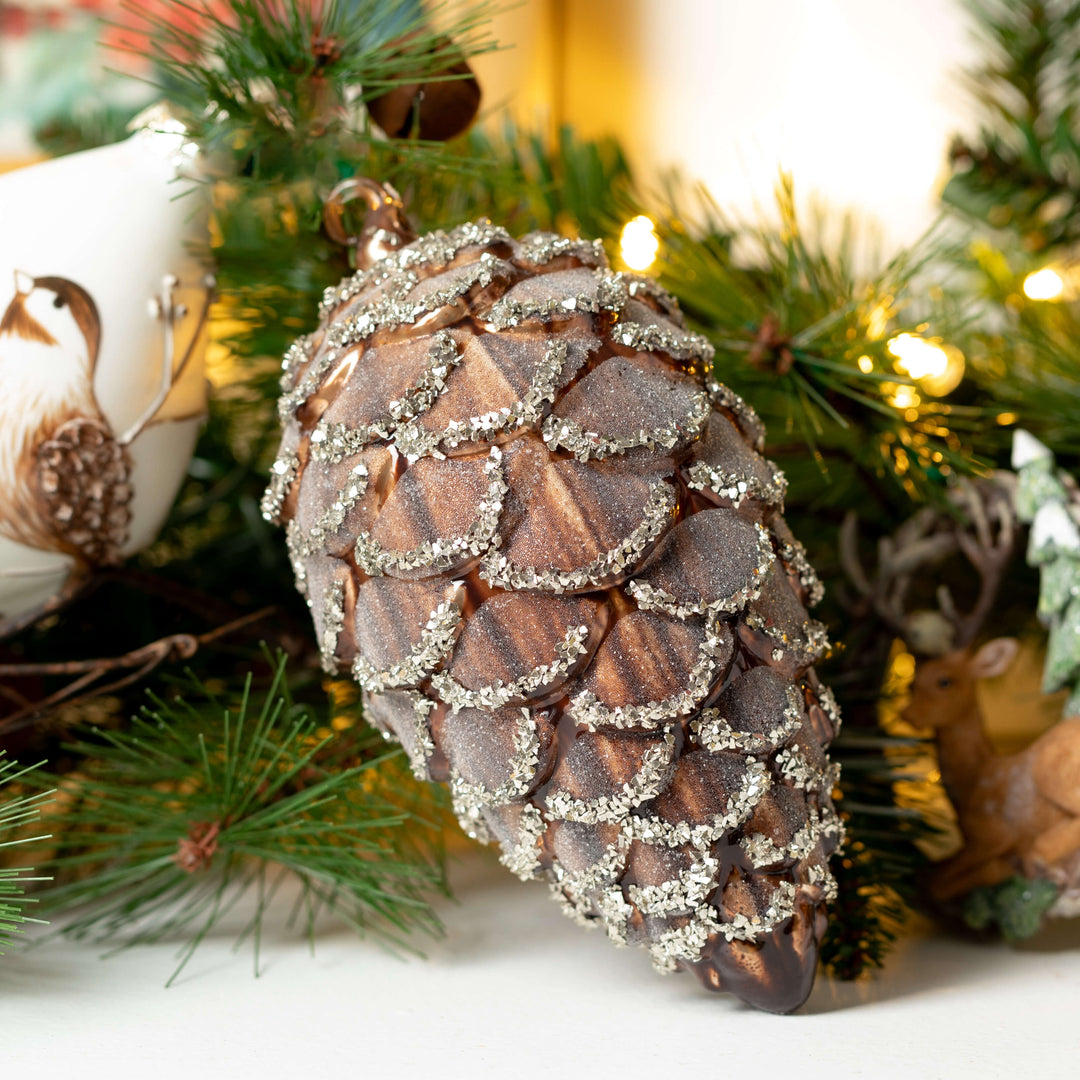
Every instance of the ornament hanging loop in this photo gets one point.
(385, 228)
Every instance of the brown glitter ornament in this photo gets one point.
(546, 544)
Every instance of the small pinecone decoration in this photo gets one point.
(547, 546)
(85, 479)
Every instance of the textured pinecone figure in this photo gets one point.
(547, 546)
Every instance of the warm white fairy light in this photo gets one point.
(937, 368)
(920, 358)
(1044, 284)
(904, 397)
(639, 243)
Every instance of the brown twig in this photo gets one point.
(771, 350)
(143, 660)
(196, 850)
(9, 692)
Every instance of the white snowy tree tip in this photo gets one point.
(1054, 525)
(1026, 449)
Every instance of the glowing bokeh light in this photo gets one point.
(904, 398)
(937, 368)
(639, 243)
(918, 357)
(1045, 284)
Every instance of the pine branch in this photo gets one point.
(1020, 180)
(865, 920)
(807, 339)
(1022, 172)
(17, 815)
(278, 87)
(1024, 354)
(168, 822)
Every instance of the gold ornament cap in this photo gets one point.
(385, 227)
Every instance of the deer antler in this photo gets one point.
(926, 539)
(988, 545)
(917, 543)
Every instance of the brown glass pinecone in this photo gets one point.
(546, 544)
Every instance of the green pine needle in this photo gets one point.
(16, 815)
(173, 819)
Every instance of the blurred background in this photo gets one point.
(857, 98)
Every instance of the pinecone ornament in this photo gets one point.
(546, 544)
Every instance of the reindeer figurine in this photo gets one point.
(1019, 813)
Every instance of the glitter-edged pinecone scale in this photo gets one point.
(547, 546)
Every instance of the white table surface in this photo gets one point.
(517, 990)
